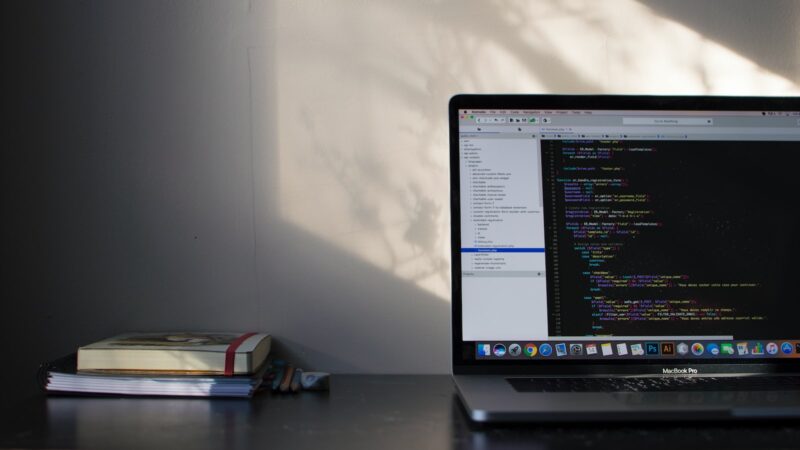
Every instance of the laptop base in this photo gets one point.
(491, 398)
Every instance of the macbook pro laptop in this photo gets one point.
(625, 257)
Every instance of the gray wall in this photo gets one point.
(282, 166)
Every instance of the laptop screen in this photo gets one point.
(628, 234)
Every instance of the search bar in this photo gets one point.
(697, 121)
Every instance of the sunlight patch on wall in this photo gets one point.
(625, 47)
(362, 91)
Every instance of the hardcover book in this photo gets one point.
(177, 352)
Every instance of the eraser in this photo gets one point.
(315, 381)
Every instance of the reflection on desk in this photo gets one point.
(147, 423)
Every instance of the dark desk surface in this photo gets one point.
(405, 412)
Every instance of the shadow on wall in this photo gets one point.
(361, 92)
(137, 200)
(328, 308)
(350, 143)
(333, 311)
(732, 25)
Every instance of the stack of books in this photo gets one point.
(163, 364)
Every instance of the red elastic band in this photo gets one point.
(230, 353)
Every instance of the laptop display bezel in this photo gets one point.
(463, 354)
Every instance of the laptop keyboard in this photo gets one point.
(656, 384)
